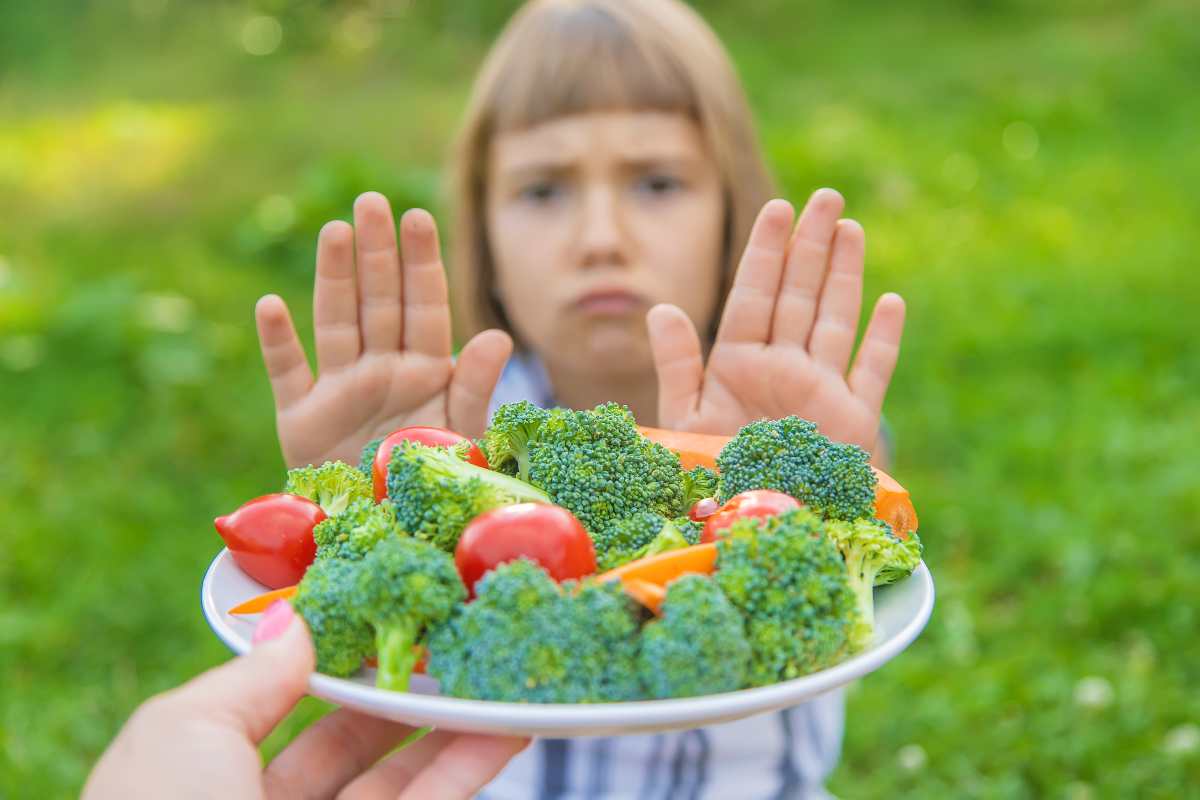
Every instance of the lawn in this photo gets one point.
(1027, 179)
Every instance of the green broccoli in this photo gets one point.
(689, 528)
(902, 567)
(525, 639)
(698, 483)
(868, 547)
(366, 462)
(789, 455)
(436, 493)
(698, 646)
(643, 534)
(595, 463)
(507, 440)
(400, 589)
(341, 639)
(332, 486)
(356, 530)
(788, 579)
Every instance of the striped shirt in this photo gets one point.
(788, 754)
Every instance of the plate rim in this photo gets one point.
(496, 714)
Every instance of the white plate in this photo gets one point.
(901, 611)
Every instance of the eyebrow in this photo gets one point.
(556, 166)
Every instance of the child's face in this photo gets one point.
(595, 218)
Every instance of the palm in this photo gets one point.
(786, 337)
(382, 326)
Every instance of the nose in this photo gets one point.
(602, 239)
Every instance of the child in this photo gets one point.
(610, 220)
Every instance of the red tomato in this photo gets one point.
(434, 437)
(549, 535)
(755, 503)
(271, 537)
(703, 509)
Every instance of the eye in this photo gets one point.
(541, 192)
(658, 184)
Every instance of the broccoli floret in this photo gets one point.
(868, 547)
(698, 646)
(643, 534)
(436, 493)
(340, 638)
(366, 462)
(599, 466)
(787, 578)
(689, 528)
(698, 483)
(525, 639)
(507, 440)
(902, 567)
(400, 589)
(332, 486)
(354, 532)
(789, 455)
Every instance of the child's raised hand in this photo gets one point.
(382, 325)
(786, 336)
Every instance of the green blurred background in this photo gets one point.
(1027, 179)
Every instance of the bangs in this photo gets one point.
(566, 59)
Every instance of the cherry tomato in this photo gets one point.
(434, 437)
(755, 503)
(271, 537)
(549, 535)
(703, 509)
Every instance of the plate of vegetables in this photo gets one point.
(573, 574)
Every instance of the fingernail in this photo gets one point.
(275, 620)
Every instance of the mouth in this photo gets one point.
(608, 302)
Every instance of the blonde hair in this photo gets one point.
(556, 58)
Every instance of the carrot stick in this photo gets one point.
(256, 604)
(665, 567)
(893, 505)
(651, 595)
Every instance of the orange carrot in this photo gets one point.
(893, 505)
(256, 604)
(651, 595)
(693, 449)
(892, 502)
(665, 567)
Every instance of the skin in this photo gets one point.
(201, 740)
(626, 200)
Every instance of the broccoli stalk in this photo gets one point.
(332, 486)
(869, 547)
(401, 588)
(436, 493)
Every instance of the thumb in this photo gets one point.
(253, 692)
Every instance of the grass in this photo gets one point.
(1027, 181)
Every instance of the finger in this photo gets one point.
(751, 301)
(378, 259)
(464, 766)
(807, 263)
(678, 360)
(876, 359)
(474, 380)
(287, 366)
(833, 334)
(331, 753)
(253, 692)
(335, 298)
(426, 299)
(444, 765)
